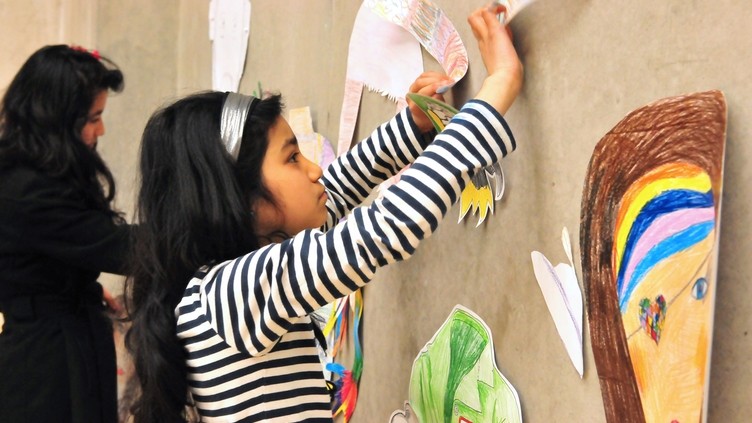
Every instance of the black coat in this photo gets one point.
(57, 357)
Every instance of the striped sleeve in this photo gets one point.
(353, 175)
(253, 300)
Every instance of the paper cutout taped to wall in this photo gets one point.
(229, 28)
(384, 53)
(487, 185)
(431, 27)
(314, 146)
(563, 297)
(346, 315)
(381, 56)
(455, 378)
(649, 240)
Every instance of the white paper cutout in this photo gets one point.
(564, 300)
(229, 28)
(383, 57)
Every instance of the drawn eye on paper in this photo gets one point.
(487, 185)
(648, 236)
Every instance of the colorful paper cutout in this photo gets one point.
(649, 242)
(347, 311)
(431, 27)
(455, 378)
(314, 146)
(487, 185)
(564, 300)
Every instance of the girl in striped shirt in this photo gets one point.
(241, 237)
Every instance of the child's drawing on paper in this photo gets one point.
(455, 379)
(486, 186)
(650, 221)
(314, 146)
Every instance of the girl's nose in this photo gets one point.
(314, 171)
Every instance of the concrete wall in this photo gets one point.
(587, 64)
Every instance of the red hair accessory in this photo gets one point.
(94, 53)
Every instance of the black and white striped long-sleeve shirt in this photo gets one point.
(252, 354)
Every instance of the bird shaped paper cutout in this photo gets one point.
(487, 185)
(563, 297)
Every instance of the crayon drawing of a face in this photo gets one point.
(664, 237)
(649, 243)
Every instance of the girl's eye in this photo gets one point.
(294, 157)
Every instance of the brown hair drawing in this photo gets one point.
(686, 131)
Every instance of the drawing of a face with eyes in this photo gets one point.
(664, 236)
(649, 243)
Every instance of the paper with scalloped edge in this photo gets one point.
(381, 56)
(229, 28)
(385, 56)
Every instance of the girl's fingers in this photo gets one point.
(497, 8)
(477, 25)
(485, 20)
(429, 81)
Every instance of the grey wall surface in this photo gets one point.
(587, 64)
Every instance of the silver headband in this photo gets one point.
(235, 111)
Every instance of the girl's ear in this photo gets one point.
(266, 217)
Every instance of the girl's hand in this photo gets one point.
(426, 84)
(504, 68)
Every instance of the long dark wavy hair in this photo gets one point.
(43, 112)
(194, 209)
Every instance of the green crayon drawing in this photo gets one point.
(454, 377)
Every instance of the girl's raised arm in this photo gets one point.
(504, 68)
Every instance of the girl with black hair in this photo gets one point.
(57, 233)
(240, 238)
